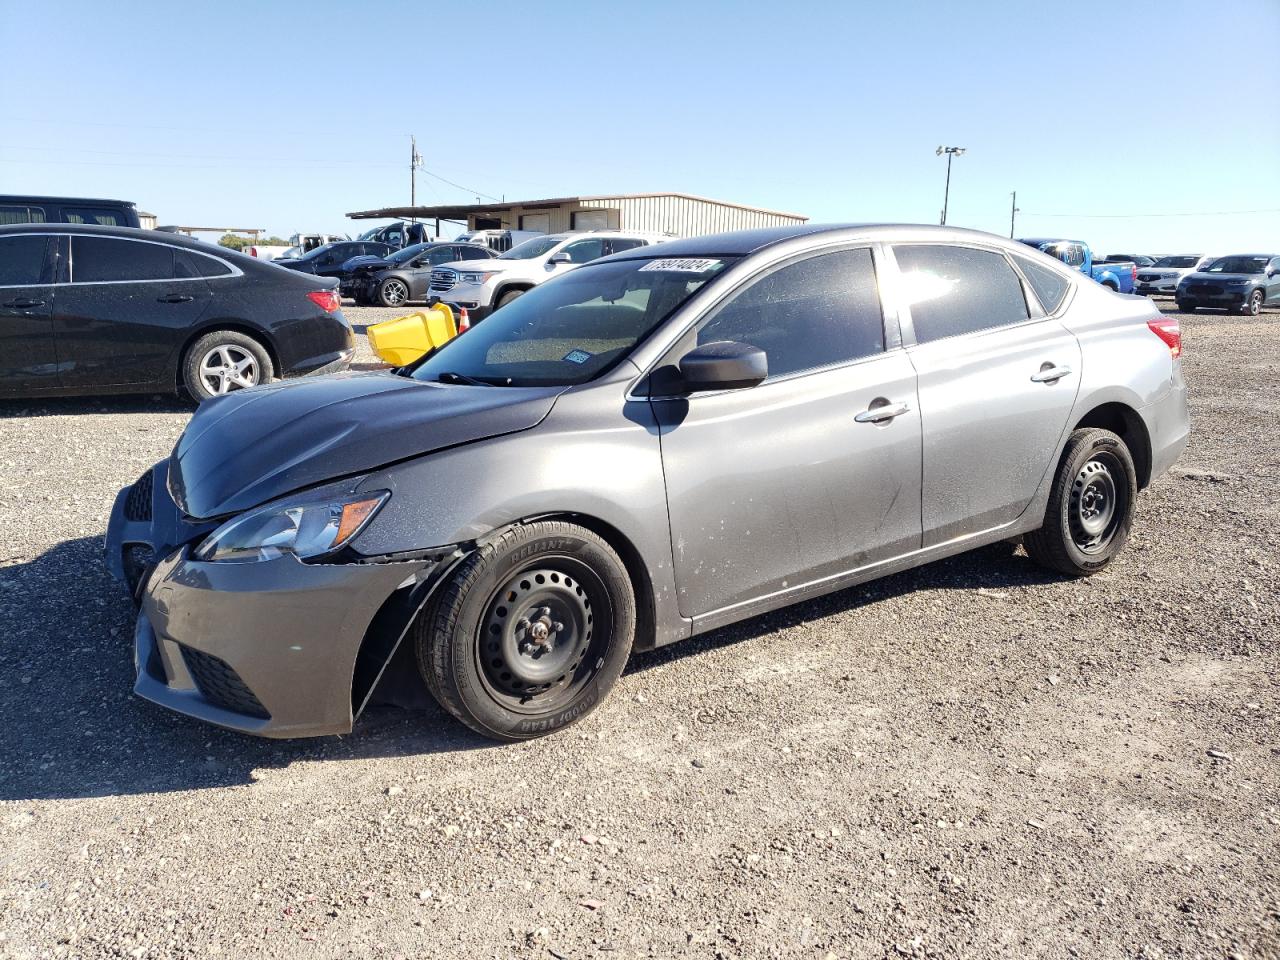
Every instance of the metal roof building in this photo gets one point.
(680, 214)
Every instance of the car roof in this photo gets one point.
(738, 243)
(32, 198)
(133, 233)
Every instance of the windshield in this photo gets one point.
(312, 254)
(370, 234)
(1176, 262)
(573, 328)
(531, 248)
(408, 253)
(1237, 265)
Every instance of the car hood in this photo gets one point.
(252, 446)
(492, 265)
(1219, 277)
(367, 261)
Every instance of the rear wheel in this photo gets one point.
(225, 361)
(1253, 306)
(530, 633)
(1090, 507)
(392, 292)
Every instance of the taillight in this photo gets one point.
(253, 251)
(1168, 330)
(1134, 275)
(326, 300)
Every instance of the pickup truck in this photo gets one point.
(1119, 275)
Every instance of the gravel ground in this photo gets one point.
(974, 759)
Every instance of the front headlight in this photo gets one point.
(1235, 283)
(305, 530)
(479, 278)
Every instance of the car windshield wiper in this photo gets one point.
(449, 376)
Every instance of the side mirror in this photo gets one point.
(723, 365)
(560, 257)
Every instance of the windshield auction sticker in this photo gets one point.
(674, 265)
(577, 356)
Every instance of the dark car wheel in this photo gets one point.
(509, 296)
(530, 633)
(1184, 307)
(1253, 306)
(392, 292)
(223, 361)
(1090, 506)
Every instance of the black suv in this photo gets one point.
(106, 213)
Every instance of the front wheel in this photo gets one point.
(1253, 306)
(392, 292)
(530, 633)
(1090, 507)
(1184, 307)
(508, 297)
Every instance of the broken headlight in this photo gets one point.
(304, 530)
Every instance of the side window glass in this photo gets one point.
(584, 251)
(618, 244)
(815, 312)
(106, 218)
(1050, 286)
(443, 255)
(22, 260)
(21, 215)
(100, 259)
(188, 263)
(957, 290)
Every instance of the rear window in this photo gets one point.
(104, 259)
(22, 260)
(1049, 285)
(957, 290)
(189, 264)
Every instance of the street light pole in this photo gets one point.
(946, 196)
(1013, 213)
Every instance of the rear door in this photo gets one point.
(997, 382)
(28, 356)
(124, 308)
(792, 481)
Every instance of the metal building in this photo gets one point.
(679, 214)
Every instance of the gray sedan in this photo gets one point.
(650, 447)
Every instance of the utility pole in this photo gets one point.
(946, 196)
(1013, 213)
(415, 161)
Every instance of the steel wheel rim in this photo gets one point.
(543, 635)
(1097, 503)
(394, 292)
(228, 367)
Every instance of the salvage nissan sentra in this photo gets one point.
(652, 446)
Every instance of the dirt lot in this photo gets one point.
(975, 759)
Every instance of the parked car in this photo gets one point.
(32, 209)
(500, 281)
(1116, 275)
(329, 260)
(1139, 260)
(397, 235)
(499, 241)
(304, 243)
(404, 275)
(649, 447)
(1243, 282)
(93, 310)
(1162, 276)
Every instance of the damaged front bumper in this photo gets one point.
(278, 648)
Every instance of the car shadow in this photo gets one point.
(73, 729)
(75, 406)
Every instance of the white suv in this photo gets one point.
(484, 287)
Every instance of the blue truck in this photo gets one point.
(1119, 275)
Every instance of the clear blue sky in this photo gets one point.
(285, 116)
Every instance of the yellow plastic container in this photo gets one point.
(405, 339)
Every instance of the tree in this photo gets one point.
(232, 242)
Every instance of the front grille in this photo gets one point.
(137, 505)
(1150, 277)
(1204, 289)
(137, 560)
(221, 685)
(443, 280)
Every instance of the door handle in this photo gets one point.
(175, 298)
(886, 411)
(24, 303)
(1050, 374)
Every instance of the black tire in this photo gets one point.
(393, 292)
(1185, 307)
(548, 591)
(508, 296)
(1090, 507)
(204, 357)
(1253, 306)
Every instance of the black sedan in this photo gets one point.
(94, 310)
(406, 274)
(328, 260)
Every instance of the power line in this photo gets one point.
(1143, 216)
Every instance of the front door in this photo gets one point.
(28, 356)
(783, 484)
(127, 307)
(996, 386)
